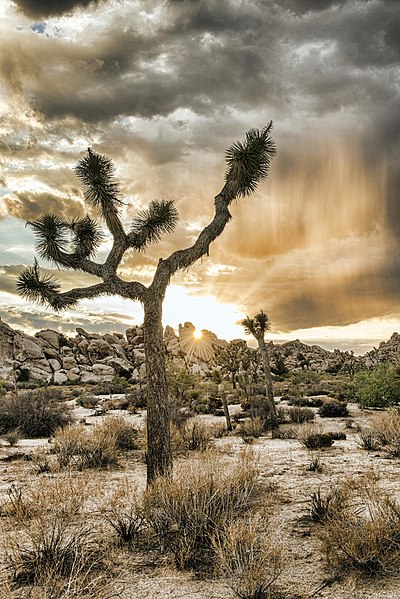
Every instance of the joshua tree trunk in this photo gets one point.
(226, 409)
(268, 382)
(159, 453)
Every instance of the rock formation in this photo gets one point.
(50, 356)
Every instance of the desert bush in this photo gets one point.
(333, 409)
(250, 557)
(188, 511)
(123, 513)
(35, 413)
(256, 406)
(122, 431)
(328, 503)
(385, 429)
(193, 435)
(306, 402)
(364, 534)
(312, 436)
(12, 437)
(77, 447)
(251, 428)
(379, 387)
(87, 401)
(368, 440)
(299, 415)
(47, 545)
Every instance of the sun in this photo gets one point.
(197, 334)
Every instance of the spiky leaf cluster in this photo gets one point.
(37, 287)
(52, 235)
(150, 224)
(96, 172)
(87, 236)
(248, 162)
(256, 326)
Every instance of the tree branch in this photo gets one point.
(188, 256)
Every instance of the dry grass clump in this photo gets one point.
(98, 447)
(47, 545)
(385, 429)
(312, 436)
(251, 428)
(194, 435)
(327, 504)
(123, 513)
(363, 532)
(299, 415)
(77, 447)
(190, 510)
(251, 557)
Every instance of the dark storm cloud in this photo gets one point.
(45, 8)
(317, 67)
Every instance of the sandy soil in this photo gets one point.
(282, 463)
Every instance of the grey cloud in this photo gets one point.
(44, 8)
(29, 205)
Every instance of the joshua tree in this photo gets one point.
(257, 327)
(73, 245)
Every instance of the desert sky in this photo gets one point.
(163, 88)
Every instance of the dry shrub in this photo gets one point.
(47, 544)
(35, 413)
(204, 496)
(312, 436)
(368, 440)
(327, 504)
(124, 433)
(12, 437)
(385, 427)
(299, 415)
(363, 532)
(193, 435)
(250, 556)
(75, 446)
(252, 428)
(123, 513)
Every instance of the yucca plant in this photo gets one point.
(73, 245)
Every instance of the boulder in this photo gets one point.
(26, 349)
(51, 337)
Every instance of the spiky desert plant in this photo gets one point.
(257, 327)
(73, 245)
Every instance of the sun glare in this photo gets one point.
(197, 334)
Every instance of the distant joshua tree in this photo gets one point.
(257, 327)
(73, 245)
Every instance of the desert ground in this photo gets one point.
(290, 473)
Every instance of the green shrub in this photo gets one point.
(333, 409)
(34, 413)
(379, 387)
